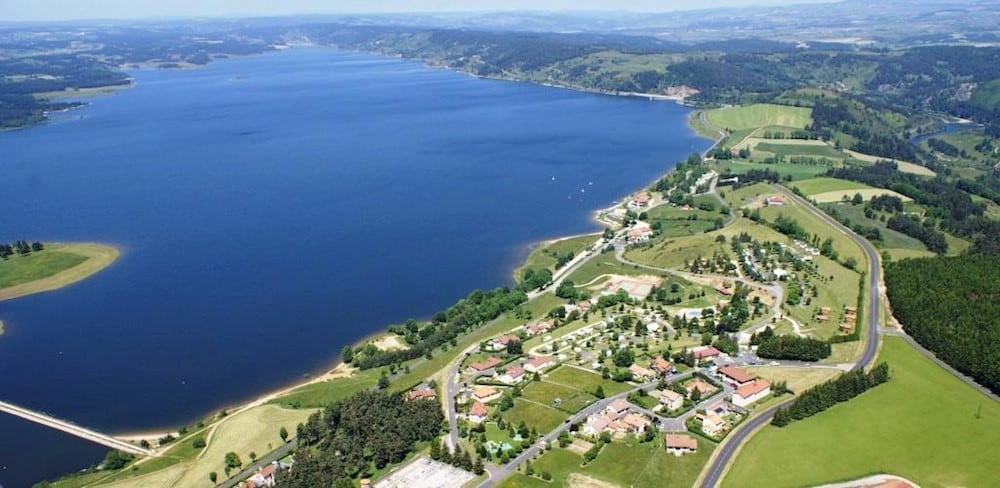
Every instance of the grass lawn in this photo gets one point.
(760, 115)
(536, 415)
(799, 379)
(571, 399)
(671, 253)
(890, 238)
(56, 266)
(924, 424)
(544, 256)
(624, 463)
(675, 221)
(903, 253)
(584, 380)
(825, 184)
(603, 264)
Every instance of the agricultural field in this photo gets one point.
(798, 379)
(891, 239)
(760, 115)
(792, 147)
(676, 221)
(825, 184)
(867, 194)
(904, 166)
(924, 424)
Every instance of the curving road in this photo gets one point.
(736, 439)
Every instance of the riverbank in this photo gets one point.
(96, 256)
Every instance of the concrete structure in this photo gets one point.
(73, 429)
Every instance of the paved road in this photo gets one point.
(729, 446)
(248, 471)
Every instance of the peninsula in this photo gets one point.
(51, 267)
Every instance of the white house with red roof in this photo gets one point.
(705, 353)
(499, 343)
(661, 366)
(478, 412)
(537, 364)
(512, 376)
(421, 394)
(640, 232)
(484, 366)
(640, 200)
(735, 376)
(751, 392)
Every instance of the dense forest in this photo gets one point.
(951, 305)
(790, 347)
(353, 437)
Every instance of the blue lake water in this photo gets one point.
(272, 209)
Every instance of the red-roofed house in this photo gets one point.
(751, 392)
(513, 375)
(478, 412)
(735, 376)
(488, 364)
(539, 328)
(679, 444)
(584, 306)
(661, 366)
(705, 353)
(500, 343)
(537, 364)
(641, 374)
(640, 232)
(641, 200)
(485, 394)
(421, 394)
(775, 200)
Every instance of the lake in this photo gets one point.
(272, 209)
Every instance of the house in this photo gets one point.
(500, 343)
(775, 200)
(263, 478)
(640, 373)
(485, 394)
(680, 444)
(825, 310)
(421, 394)
(539, 328)
(723, 291)
(705, 353)
(822, 318)
(537, 364)
(584, 306)
(711, 423)
(735, 376)
(597, 423)
(779, 273)
(478, 412)
(847, 327)
(633, 422)
(671, 400)
(704, 388)
(751, 392)
(513, 375)
(617, 407)
(641, 200)
(640, 232)
(483, 366)
(662, 366)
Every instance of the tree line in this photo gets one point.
(470, 312)
(352, 438)
(826, 395)
(772, 346)
(20, 247)
(950, 305)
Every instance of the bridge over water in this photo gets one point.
(73, 429)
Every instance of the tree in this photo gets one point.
(253, 457)
(695, 395)
(383, 381)
(232, 461)
(599, 392)
(478, 468)
(115, 460)
(283, 434)
(858, 199)
(566, 290)
(213, 476)
(347, 353)
(515, 348)
(608, 234)
(198, 442)
(623, 357)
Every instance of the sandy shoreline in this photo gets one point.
(99, 257)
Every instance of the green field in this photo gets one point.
(795, 171)
(570, 400)
(760, 115)
(890, 238)
(584, 380)
(603, 264)
(624, 463)
(537, 415)
(790, 148)
(824, 184)
(676, 222)
(544, 256)
(924, 424)
(17, 270)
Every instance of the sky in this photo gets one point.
(23, 10)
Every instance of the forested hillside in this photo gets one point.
(952, 307)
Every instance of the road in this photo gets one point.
(73, 429)
(728, 448)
